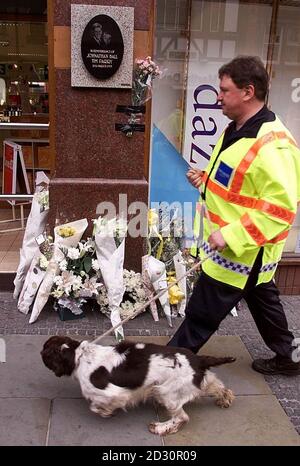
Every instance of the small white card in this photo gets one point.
(162, 284)
(40, 239)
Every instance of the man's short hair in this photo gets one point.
(245, 70)
(96, 25)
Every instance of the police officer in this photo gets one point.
(251, 187)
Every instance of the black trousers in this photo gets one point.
(212, 300)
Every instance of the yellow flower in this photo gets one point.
(152, 217)
(175, 294)
(66, 231)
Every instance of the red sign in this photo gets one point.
(9, 167)
(14, 170)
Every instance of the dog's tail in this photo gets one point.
(210, 361)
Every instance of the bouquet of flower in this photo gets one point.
(35, 226)
(165, 235)
(148, 286)
(36, 273)
(181, 290)
(65, 236)
(145, 72)
(134, 295)
(157, 273)
(110, 250)
(79, 277)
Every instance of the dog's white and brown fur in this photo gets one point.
(121, 376)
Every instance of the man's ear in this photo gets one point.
(249, 92)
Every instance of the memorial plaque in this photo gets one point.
(102, 46)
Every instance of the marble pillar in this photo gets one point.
(93, 162)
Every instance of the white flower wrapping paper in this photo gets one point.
(34, 277)
(158, 277)
(35, 226)
(111, 263)
(180, 270)
(44, 291)
(149, 289)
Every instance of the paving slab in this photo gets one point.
(253, 420)
(27, 388)
(238, 376)
(72, 423)
(25, 375)
(24, 422)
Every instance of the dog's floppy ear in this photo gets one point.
(67, 356)
(58, 355)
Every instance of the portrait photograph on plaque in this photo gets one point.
(101, 46)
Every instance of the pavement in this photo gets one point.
(38, 408)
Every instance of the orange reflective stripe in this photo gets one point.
(219, 221)
(252, 203)
(216, 219)
(213, 217)
(279, 237)
(230, 196)
(253, 231)
(276, 211)
(245, 163)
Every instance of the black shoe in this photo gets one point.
(276, 366)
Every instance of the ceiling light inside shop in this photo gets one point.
(34, 83)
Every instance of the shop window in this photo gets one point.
(216, 32)
(24, 92)
(24, 67)
(284, 96)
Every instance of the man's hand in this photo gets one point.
(195, 177)
(216, 241)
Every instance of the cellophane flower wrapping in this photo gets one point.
(65, 236)
(148, 286)
(145, 71)
(110, 250)
(158, 277)
(34, 278)
(35, 226)
(165, 241)
(133, 299)
(180, 270)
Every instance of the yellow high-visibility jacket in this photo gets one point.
(251, 196)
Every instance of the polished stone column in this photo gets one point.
(93, 162)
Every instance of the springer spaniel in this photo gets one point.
(121, 376)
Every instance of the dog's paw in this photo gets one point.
(160, 428)
(165, 428)
(226, 400)
(101, 412)
(154, 428)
